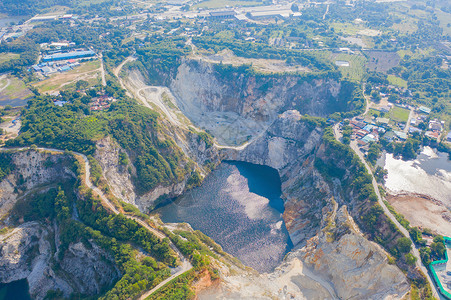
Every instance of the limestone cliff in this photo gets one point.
(289, 146)
(33, 170)
(120, 177)
(26, 252)
(356, 267)
(338, 263)
(235, 103)
(238, 106)
(32, 249)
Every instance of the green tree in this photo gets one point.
(404, 244)
(438, 248)
(410, 259)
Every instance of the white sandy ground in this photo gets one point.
(289, 281)
(262, 65)
(423, 212)
(407, 176)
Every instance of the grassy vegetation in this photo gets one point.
(347, 28)
(356, 69)
(88, 71)
(373, 112)
(445, 20)
(8, 56)
(397, 81)
(16, 89)
(224, 3)
(399, 114)
(178, 288)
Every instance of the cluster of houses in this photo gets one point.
(49, 68)
(365, 133)
(102, 102)
(435, 129)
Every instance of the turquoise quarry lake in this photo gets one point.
(17, 290)
(239, 206)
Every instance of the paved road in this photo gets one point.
(404, 231)
(327, 10)
(185, 264)
(406, 129)
(102, 70)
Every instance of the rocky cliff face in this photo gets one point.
(356, 267)
(338, 263)
(234, 103)
(288, 146)
(119, 177)
(33, 170)
(26, 252)
(329, 244)
(31, 250)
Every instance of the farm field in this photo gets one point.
(394, 80)
(13, 91)
(356, 70)
(445, 20)
(382, 61)
(399, 114)
(88, 71)
(8, 56)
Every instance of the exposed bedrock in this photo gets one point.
(235, 105)
(32, 250)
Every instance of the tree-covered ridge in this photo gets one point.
(69, 127)
(339, 161)
(31, 7)
(160, 57)
(428, 80)
(115, 234)
(157, 159)
(261, 50)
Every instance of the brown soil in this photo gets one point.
(423, 211)
(204, 282)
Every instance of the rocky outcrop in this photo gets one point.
(338, 263)
(329, 244)
(26, 252)
(120, 177)
(289, 145)
(234, 103)
(357, 268)
(33, 169)
(32, 250)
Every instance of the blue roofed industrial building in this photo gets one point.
(68, 55)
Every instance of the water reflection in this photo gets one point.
(429, 174)
(239, 206)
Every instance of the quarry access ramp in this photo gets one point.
(185, 264)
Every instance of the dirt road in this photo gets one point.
(404, 231)
(185, 266)
(8, 82)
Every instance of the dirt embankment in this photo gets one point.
(423, 211)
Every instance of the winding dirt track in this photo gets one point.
(404, 231)
(185, 264)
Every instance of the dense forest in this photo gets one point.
(31, 7)
(73, 127)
